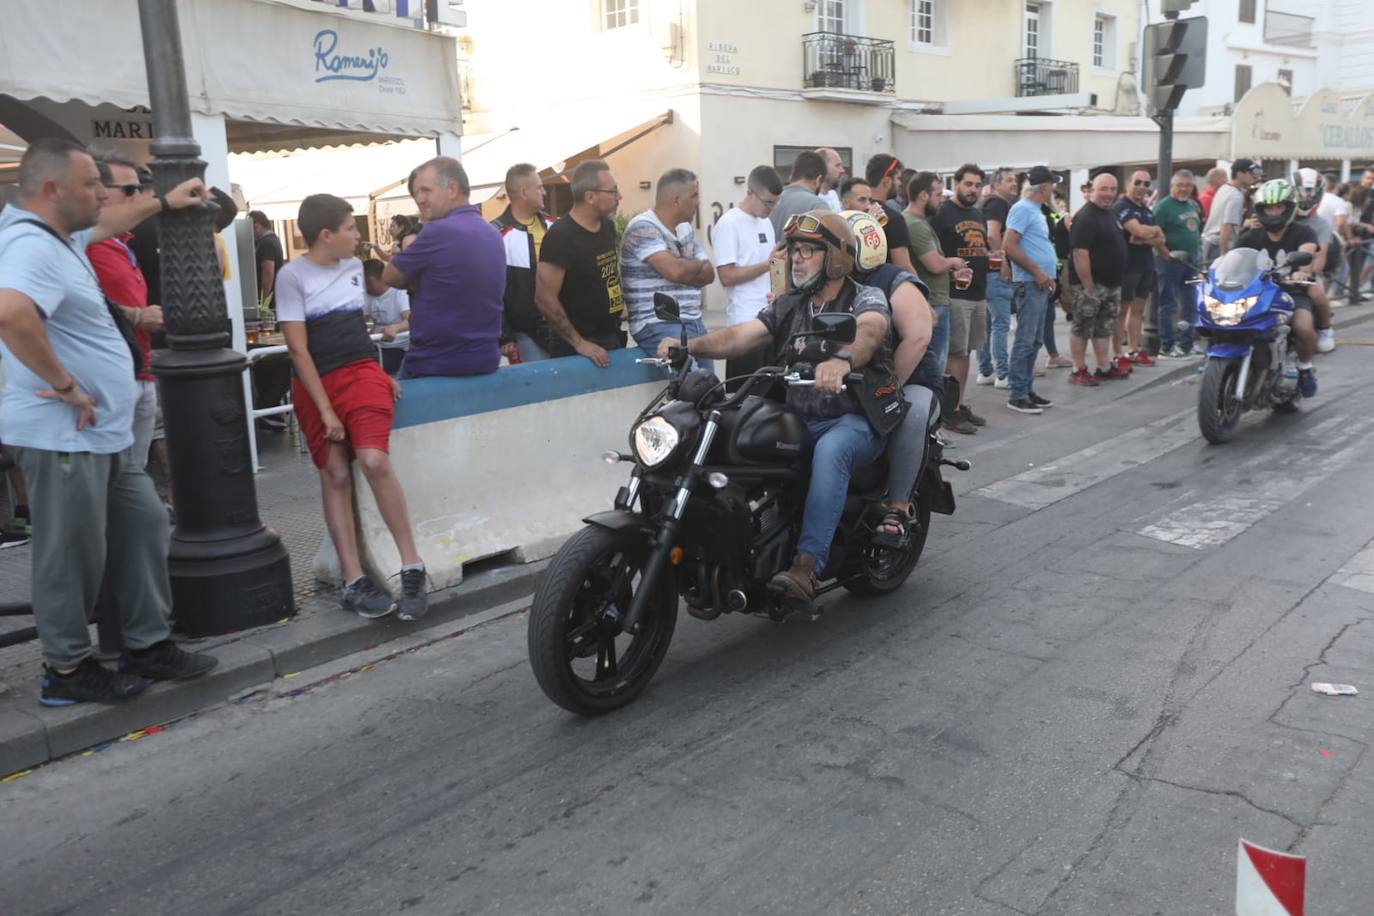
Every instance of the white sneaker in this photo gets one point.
(1002, 383)
(1326, 340)
(983, 379)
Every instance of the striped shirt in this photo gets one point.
(646, 236)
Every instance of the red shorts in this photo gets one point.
(360, 393)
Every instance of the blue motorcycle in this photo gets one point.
(1246, 316)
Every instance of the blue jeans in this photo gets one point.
(838, 447)
(648, 338)
(1176, 299)
(993, 357)
(529, 350)
(1051, 347)
(939, 337)
(1029, 302)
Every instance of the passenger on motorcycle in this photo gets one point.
(1311, 186)
(1276, 205)
(821, 251)
(916, 365)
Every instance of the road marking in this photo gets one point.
(1048, 484)
(1358, 571)
(1217, 519)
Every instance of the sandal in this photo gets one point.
(894, 528)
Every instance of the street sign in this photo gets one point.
(1175, 61)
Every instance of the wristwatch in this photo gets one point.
(845, 355)
(162, 199)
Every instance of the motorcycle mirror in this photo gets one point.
(1298, 259)
(835, 326)
(666, 308)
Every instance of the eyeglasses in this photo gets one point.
(129, 189)
(615, 190)
(803, 249)
(768, 202)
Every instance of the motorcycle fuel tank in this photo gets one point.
(766, 432)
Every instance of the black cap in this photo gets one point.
(1039, 174)
(1245, 165)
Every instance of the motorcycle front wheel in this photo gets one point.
(1218, 408)
(581, 658)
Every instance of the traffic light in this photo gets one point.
(1175, 60)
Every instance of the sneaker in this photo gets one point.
(1038, 401)
(1002, 383)
(1023, 405)
(414, 601)
(91, 682)
(13, 537)
(1113, 373)
(1059, 362)
(166, 661)
(1174, 352)
(957, 424)
(365, 599)
(1083, 377)
(1307, 382)
(984, 379)
(1124, 363)
(965, 411)
(22, 521)
(1326, 340)
(1143, 359)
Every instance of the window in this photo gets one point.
(831, 16)
(784, 156)
(928, 23)
(1243, 77)
(1033, 32)
(620, 13)
(1247, 11)
(1286, 81)
(1104, 41)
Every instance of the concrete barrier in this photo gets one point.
(503, 463)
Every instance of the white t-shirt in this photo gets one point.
(1333, 206)
(386, 309)
(330, 302)
(832, 199)
(744, 241)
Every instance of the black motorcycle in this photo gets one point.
(712, 512)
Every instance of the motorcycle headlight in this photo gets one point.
(1228, 313)
(654, 441)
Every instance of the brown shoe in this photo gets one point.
(798, 585)
(957, 424)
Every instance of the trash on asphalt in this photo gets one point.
(1335, 690)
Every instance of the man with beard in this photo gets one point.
(834, 177)
(883, 174)
(932, 266)
(822, 252)
(963, 230)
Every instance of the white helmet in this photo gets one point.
(1310, 186)
(870, 242)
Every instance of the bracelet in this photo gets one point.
(162, 199)
(71, 385)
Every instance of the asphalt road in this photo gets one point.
(1096, 682)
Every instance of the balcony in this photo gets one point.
(1042, 76)
(834, 61)
(1287, 29)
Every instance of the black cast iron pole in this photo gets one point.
(228, 571)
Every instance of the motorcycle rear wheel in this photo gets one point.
(581, 658)
(1218, 408)
(884, 571)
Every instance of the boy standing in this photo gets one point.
(389, 311)
(344, 401)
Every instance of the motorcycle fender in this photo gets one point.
(1227, 350)
(622, 520)
(936, 492)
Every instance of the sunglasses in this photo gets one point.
(894, 166)
(1138, 183)
(129, 189)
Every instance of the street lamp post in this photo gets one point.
(228, 571)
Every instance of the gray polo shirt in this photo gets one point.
(794, 199)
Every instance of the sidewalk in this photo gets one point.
(321, 632)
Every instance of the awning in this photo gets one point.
(330, 79)
(1266, 125)
(276, 184)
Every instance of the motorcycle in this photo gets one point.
(712, 511)
(1245, 312)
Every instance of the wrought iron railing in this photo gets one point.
(1288, 29)
(832, 60)
(1042, 76)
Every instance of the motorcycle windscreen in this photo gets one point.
(1239, 268)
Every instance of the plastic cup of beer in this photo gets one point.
(963, 279)
(995, 260)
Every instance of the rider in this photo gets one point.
(1276, 205)
(821, 251)
(917, 367)
(1311, 187)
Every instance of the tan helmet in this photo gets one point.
(829, 230)
(870, 242)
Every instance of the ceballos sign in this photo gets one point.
(330, 66)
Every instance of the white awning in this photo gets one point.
(261, 61)
(277, 184)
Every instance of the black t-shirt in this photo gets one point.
(1098, 231)
(898, 236)
(1139, 258)
(268, 248)
(963, 233)
(1296, 234)
(591, 293)
(995, 208)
